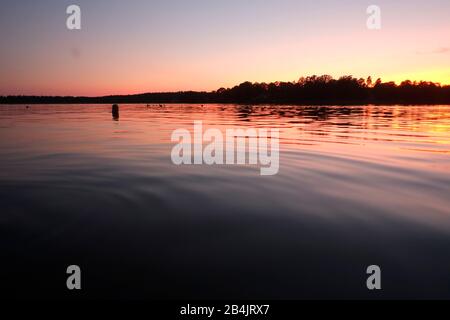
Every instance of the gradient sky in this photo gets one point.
(167, 45)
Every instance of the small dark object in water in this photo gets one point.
(28, 107)
(115, 111)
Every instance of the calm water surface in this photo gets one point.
(356, 186)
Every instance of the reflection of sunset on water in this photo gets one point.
(353, 182)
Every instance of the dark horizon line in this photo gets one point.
(307, 90)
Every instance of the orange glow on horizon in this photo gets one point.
(206, 48)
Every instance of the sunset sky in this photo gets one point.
(168, 45)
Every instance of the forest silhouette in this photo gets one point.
(321, 90)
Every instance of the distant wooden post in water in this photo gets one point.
(115, 111)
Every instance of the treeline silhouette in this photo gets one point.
(307, 90)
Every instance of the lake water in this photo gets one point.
(356, 186)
